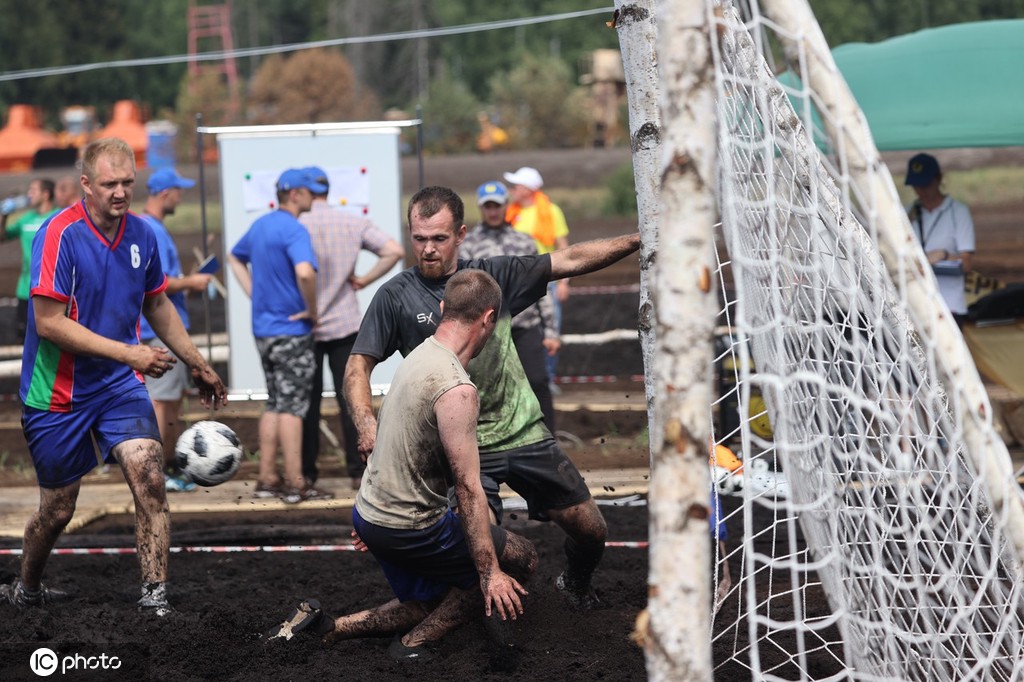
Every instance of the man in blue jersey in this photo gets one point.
(276, 265)
(95, 269)
(167, 391)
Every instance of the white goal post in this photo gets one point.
(876, 528)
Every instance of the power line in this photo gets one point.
(294, 47)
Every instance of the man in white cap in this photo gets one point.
(532, 211)
(167, 391)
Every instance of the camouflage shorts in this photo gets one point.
(288, 364)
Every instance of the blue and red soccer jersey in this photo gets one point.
(103, 285)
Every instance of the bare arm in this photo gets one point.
(162, 316)
(391, 253)
(305, 277)
(584, 257)
(359, 401)
(552, 341)
(70, 336)
(194, 282)
(242, 274)
(457, 411)
(942, 255)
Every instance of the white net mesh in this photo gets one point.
(870, 536)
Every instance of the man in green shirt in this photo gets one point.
(40, 197)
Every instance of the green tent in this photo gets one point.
(954, 86)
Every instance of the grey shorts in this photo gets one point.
(288, 364)
(173, 384)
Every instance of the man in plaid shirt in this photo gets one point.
(534, 331)
(338, 236)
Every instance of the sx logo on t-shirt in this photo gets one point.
(426, 318)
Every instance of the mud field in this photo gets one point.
(224, 600)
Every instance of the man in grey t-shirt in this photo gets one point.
(432, 558)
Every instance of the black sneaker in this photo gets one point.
(408, 654)
(19, 596)
(581, 597)
(307, 618)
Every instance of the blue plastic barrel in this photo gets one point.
(161, 152)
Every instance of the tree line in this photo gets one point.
(515, 75)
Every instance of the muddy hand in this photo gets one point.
(212, 392)
(151, 361)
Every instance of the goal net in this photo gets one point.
(875, 527)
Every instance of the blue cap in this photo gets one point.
(167, 178)
(318, 174)
(491, 191)
(295, 178)
(921, 170)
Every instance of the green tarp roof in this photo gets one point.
(954, 86)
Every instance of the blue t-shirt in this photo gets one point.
(172, 268)
(272, 247)
(103, 285)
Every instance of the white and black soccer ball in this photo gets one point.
(209, 452)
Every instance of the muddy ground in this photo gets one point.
(224, 600)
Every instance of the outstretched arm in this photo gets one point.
(579, 259)
(457, 411)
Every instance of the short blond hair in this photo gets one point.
(469, 294)
(106, 146)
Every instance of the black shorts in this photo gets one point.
(540, 472)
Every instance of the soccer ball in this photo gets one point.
(208, 452)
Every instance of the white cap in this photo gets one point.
(527, 177)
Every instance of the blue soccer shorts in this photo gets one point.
(61, 443)
(423, 564)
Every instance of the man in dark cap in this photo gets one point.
(945, 229)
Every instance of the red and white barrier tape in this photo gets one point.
(229, 549)
(605, 379)
(606, 289)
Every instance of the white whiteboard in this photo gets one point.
(251, 154)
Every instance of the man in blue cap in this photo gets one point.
(945, 229)
(167, 391)
(276, 265)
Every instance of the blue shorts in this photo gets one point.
(61, 443)
(423, 564)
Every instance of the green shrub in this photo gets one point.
(620, 192)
